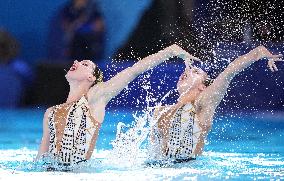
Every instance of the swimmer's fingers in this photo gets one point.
(278, 60)
(271, 64)
(181, 53)
(189, 60)
(274, 56)
(274, 67)
(188, 64)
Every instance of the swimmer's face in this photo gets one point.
(81, 71)
(190, 79)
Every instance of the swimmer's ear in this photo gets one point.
(91, 78)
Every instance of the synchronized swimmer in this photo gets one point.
(181, 128)
(70, 130)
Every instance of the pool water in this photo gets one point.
(239, 147)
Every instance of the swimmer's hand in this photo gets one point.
(261, 52)
(175, 50)
(271, 64)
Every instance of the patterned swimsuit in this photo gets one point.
(79, 132)
(184, 134)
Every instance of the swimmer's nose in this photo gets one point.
(76, 62)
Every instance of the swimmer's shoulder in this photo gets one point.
(97, 91)
(46, 115)
(48, 110)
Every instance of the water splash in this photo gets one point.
(130, 147)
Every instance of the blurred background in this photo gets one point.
(39, 40)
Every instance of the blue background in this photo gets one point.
(29, 22)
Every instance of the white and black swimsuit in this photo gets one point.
(79, 130)
(183, 137)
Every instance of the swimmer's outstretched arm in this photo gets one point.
(211, 97)
(112, 87)
(43, 148)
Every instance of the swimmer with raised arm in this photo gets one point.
(70, 129)
(181, 129)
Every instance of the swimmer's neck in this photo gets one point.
(189, 99)
(77, 90)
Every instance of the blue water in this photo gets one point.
(239, 147)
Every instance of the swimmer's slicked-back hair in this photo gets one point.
(98, 74)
